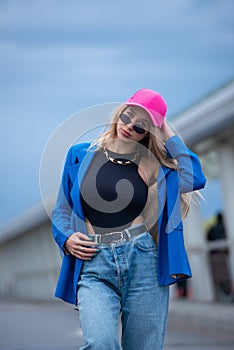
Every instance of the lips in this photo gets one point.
(125, 133)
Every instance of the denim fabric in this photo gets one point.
(122, 279)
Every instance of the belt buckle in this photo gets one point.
(99, 237)
(121, 236)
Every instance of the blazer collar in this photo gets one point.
(85, 163)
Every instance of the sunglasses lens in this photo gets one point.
(127, 120)
(138, 129)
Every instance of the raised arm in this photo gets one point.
(191, 176)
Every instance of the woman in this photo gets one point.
(118, 220)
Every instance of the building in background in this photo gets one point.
(30, 259)
(208, 128)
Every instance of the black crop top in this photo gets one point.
(112, 195)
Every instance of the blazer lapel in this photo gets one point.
(82, 170)
(162, 193)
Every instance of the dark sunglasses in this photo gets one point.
(127, 120)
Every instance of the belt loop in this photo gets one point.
(128, 233)
(97, 236)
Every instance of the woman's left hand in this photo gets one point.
(166, 131)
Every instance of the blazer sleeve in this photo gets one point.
(191, 177)
(61, 214)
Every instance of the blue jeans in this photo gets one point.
(122, 279)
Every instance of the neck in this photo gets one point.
(121, 146)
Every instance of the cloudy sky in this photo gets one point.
(58, 57)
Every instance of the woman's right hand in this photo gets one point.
(80, 246)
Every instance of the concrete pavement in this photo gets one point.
(38, 326)
(213, 317)
(55, 326)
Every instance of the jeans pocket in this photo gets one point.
(146, 243)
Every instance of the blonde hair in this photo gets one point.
(155, 142)
(155, 149)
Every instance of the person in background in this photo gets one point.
(182, 289)
(219, 256)
(217, 231)
(118, 220)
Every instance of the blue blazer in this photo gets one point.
(68, 216)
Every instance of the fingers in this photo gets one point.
(166, 131)
(85, 253)
(80, 246)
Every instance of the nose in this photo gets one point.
(130, 126)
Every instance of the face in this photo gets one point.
(133, 124)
